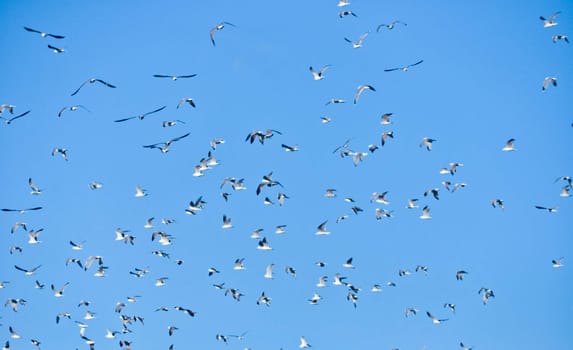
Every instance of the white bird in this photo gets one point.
(303, 343)
(550, 21)
(548, 81)
(360, 89)
(35, 189)
(405, 68)
(164, 146)
(44, 34)
(56, 49)
(174, 77)
(58, 293)
(558, 37)
(338, 280)
(95, 185)
(342, 3)
(71, 108)
(389, 26)
(269, 271)
(141, 116)
(226, 222)
(509, 146)
(263, 299)
(219, 26)
(91, 81)
(321, 229)
(62, 151)
(358, 43)
(239, 264)
(557, 262)
(13, 333)
(425, 213)
(320, 74)
(264, 245)
(427, 142)
(434, 319)
(160, 282)
(322, 282)
(185, 100)
(412, 203)
(140, 192)
(348, 264)
(33, 236)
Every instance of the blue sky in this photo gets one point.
(479, 86)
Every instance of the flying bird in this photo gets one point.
(71, 108)
(21, 211)
(141, 116)
(44, 34)
(425, 213)
(550, 210)
(434, 319)
(427, 142)
(346, 13)
(10, 120)
(557, 262)
(460, 275)
(358, 43)
(405, 68)
(547, 81)
(303, 343)
(359, 91)
(557, 37)
(321, 229)
(509, 146)
(91, 81)
(187, 100)
(56, 49)
(35, 189)
(27, 272)
(174, 77)
(320, 74)
(164, 146)
(549, 21)
(216, 28)
(390, 26)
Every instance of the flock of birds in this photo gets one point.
(268, 188)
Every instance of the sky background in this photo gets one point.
(479, 85)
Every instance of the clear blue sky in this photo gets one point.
(480, 84)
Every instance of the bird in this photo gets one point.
(385, 136)
(44, 34)
(91, 81)
(263, 299)
(496, 202)
(187, 100)
(346, 13)
(390, 26)
(13, 333)
(239, 264)
(434, 192)
(348, 264)
(358, 43)
(264, 245)
(557, 262)
(62, 151)
(164, 146)
(174, 77)
(291, 271)
(171, 330)
(412, 203)
(434, 319)
(141, 116)
(77, 246)
(160, 282)
(321, 229)
(405, 68)
(555, 38)
(549, 21)
(71, 108)
(35, 189)
(216, 28)
(410, 310)
(550, 210)
(288, 148)
(21, 211)
(10, 120)
(486, 294)
(56, 49)
(320, 74)
(27, 272)
(360, 89)
(95, 185)
(140, 192)
(450, 306)
(460, 275)
(226, 222)
(548, 81)
(342, 3)
(427, 142)
(303, 343)
(464, 347)
(425, 213)
(187, 312)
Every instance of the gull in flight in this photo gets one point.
(35, 189)
(486, 294)
(342, 3)
(558, 37)
(509, 146)
(10, 120)
(263, 299)
(360, 89)
(95, 185)
(71, 108)
(140, 192)
(550, 210)
(62, 151)
(187, 100)
(91, 81)
(358, 43)
(164, 148)
(27, 272)
(303, 343)
(44, 34)
(216, 28)
(21, 211)
(550, 21)
(496, 202)
(56, 49)
(460, 275)
(547, 81)
(141, 116)
(427, 142)
(174, 77)
(58, 293)
(321, 229)
(320, 74)
(425, 213)
(405, 68)
(557, 262)
(346, 13)
(434, 319)
(390, 26)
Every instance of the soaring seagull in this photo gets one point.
(405, 68)
(44, 34)
(219, 26)
(360, 89)
(141, 116)
(91, 81)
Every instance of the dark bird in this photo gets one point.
(405, 68)
(165, 145)
(91, 81)
(141, 116)
(21, 211)
(174, 77)
(10, 120)
(219, 26)
(56, 49)
(551, 210)
(44, 34)
(185, 100)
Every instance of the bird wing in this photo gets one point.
(78, 89)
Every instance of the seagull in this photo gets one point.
(358, 43)
(239, 264)
(21, 211)
(342, 3)
(141, 116)
(487, 293)
(33, 236)
(386, 135)
(187, 100)
(434, 319)
(160, 282)
(13, 333)
(412, 203)
(174, 77)
(451, 307)
(264, 300)
(390, 26)
(56, 49)
(321, 229)
(427, 142)
(315, 299)
(334, 101)
(547, 81)
(558, 37)
(409, 310)
(496, 202)
(325, 119)
(44, 34)
(460, 275)
(165, 145)
(320, 74)
(557, 262)
(348, 264)
(565, 192)
(61, 315)
(140, 192)
(464, 347)
(29, 272)
(71, 108)
(62, 151)
(433, 192)
(226, 222)
(551, 210)
(188, 312)
(77, 246)
(338, 280)
(322, 282)
(216, 28)
(91, 81)
(170, 123)
(10, 120)
(35, 189)
(303, 343)
(95, 185)
(425, 213)
(288, 148)
(14, 303)
(264, 245)
(346, 13)
(405, 68)
(550, 21)
(360, 89)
